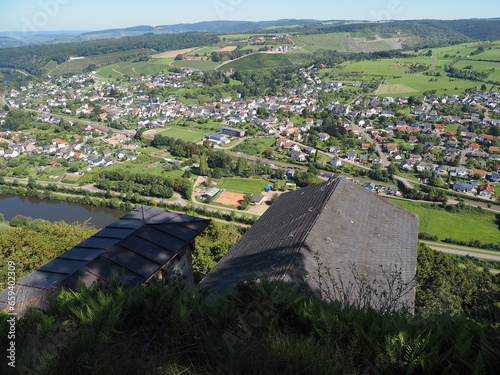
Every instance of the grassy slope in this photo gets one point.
(459, 226)
(254, 146)
(265, 61)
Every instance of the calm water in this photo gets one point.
(53, 210)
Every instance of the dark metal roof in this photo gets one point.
(131, 249)
(336, 223)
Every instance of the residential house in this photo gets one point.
(323, 136)
(298, 155)
(336, 161)
(487, 190)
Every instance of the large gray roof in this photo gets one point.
(337, 224)
(131, 249)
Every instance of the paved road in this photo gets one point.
(462, 250)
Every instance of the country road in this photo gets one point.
(462, 250)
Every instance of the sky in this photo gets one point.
(55, 15)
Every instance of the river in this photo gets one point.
(54, 210)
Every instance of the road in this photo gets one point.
(462, 250)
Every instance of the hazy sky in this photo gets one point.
(47, 15)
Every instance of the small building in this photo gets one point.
(257, 199)
(217, 138)
(336, 161)
(232, 131)
(145, 245)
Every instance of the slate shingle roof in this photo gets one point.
(131, 249)
(336, 223)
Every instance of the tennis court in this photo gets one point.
(228, 198)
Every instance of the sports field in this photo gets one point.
(228, 198)
(184, 133)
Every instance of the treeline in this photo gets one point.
(124, 202)
(466, 74)
(33, 58)
(144, 184)
(34, 243)
(222, 56)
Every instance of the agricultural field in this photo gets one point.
(421, 83)
(261, 61)
(196, 64)
(172, 54)
(347, 42)
(78, 66)
(459, 226)
(184, 133)
(254, 146)
(134, 69)
(492, 54)
(243, 185)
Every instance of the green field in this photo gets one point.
(186, 134)
(459, 226)
(492, 54)
(254, 146)
(261, 61)
(347, 42)
(131, 69)
(196, 64)
(145, 164)
(243, 185)
(442, 85)
(52, 171)
(483, 67)
(78, 66)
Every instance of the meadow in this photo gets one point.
(134, 69)
(196, 64)
(347, 42)
(254, 146)
(464, 226)
(243, 185)
(261, 61)
(78, 66)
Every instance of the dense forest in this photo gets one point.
(33, 58)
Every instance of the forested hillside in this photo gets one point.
(33, 58)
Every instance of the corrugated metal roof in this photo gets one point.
(131, 249)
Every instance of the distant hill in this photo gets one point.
(206, 26)
(425, 33)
